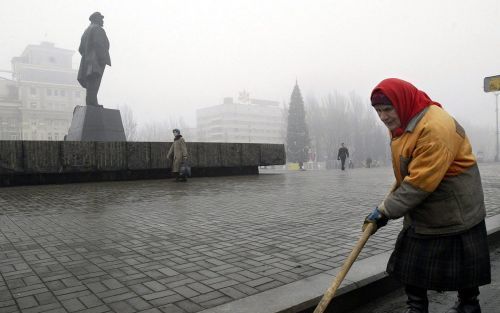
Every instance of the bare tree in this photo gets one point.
(336, 119)
(129, 123)
(161, 130)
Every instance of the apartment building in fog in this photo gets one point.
(244, 120)
(37, 102)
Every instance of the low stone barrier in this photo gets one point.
(42, 162)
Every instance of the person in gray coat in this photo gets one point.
(178, 154)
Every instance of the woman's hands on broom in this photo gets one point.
(377, 218)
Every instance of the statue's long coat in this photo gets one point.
(94, 48)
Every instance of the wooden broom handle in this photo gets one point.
(330, 292)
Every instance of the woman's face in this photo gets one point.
(175, 133)
(388, 115)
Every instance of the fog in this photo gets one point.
(171, 57)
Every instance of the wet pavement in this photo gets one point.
(161, 246)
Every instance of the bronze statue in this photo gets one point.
(94, 48)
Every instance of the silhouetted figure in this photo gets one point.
(368, 162)
(94, 48)
(342, 155)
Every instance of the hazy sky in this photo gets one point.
(172, 57)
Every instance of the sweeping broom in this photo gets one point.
(330, 292)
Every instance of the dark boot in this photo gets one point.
(467, 302)
(417, 300)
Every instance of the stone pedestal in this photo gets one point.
(95, 123)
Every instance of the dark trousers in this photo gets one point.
(93, 84)
(342, 161)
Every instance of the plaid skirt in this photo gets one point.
(442, 263)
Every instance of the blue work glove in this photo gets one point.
(377, 218)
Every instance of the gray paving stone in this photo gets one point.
(122, 307)
(27, 302)
(188, 306)
(7, 303)
(90, 301)
(171, 308)
(216, 301)
(45, 298)
(73, 305)
(153, 310)
(160, 294)
(43, 308)
(186, 291)
(10, 309)
(166, 300)
(139, 304)
(199, 287)
(233, 293)
(98, 309)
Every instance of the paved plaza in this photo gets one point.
(161, 246)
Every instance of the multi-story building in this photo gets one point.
(10, 113)
(244, 120)
(46, 92)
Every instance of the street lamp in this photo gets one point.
(496, 128)
(492, 84)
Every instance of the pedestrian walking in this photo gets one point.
(368, 162)
(178, 154)
(443, 244)
(342, 155)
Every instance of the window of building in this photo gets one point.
(56, 136)
(56, 92)
(52, 60)
(33, 91)
(49, 92)
(63, 93)
(49, 136)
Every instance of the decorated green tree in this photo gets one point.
(297, 136)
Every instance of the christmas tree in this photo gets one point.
(297, 136)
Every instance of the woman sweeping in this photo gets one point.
(443, 243)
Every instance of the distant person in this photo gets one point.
(342, 155)
(443, 244)
(94, 48)
(351, 164)
(368, 162)
(178, 152)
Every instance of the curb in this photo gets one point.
(366, 276)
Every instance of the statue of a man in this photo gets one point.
(94, 48)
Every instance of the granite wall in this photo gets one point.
(42, 162)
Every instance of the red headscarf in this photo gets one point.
(406, 99)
